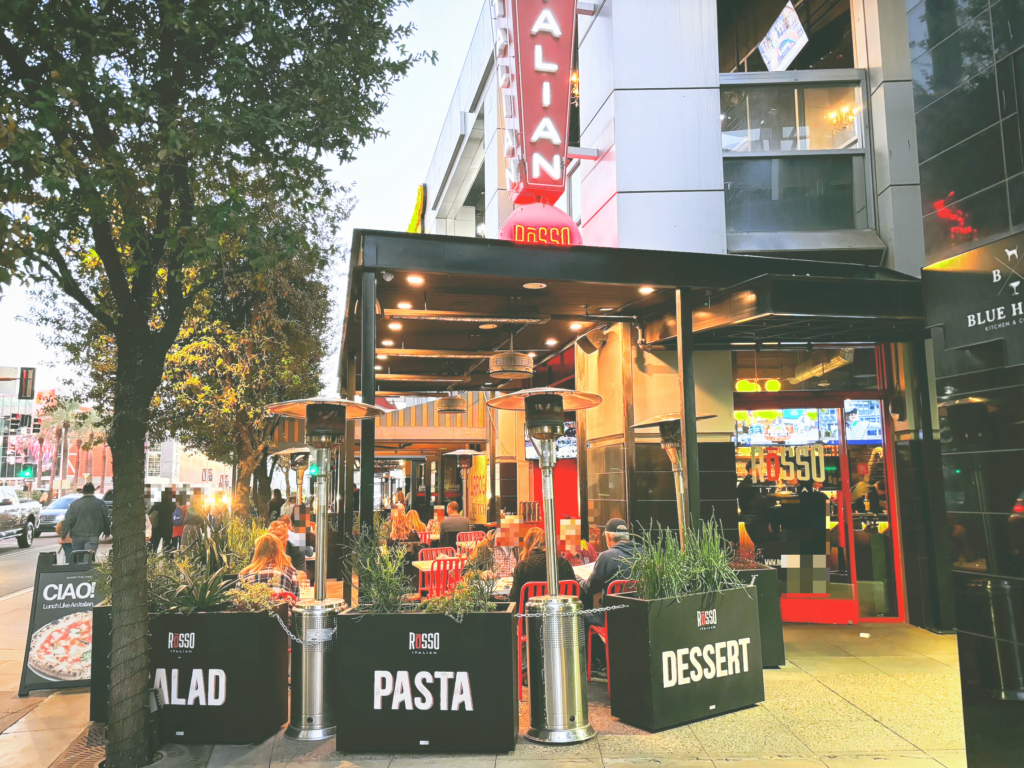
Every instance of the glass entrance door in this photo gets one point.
(813, 500)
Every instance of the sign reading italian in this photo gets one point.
(534, 49)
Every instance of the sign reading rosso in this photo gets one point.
(533, 49)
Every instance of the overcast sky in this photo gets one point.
(383, 178)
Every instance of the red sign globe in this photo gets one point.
(540, 224)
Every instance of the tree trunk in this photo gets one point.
(64, 455)
(78, 463)
(136, 379)
(88, 460)
(262, 487)
(103, 471)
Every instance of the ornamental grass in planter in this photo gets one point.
(423, 676)
(217, 654)
(686, 645)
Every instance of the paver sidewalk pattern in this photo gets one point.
(890, 700)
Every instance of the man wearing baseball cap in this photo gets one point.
(613, 563)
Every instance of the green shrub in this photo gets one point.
(471, 595)
(662, 569)
(252, 597)
(383, 582)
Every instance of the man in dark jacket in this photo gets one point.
(86, 520)
(275, 505)
(161, 516)
(453, 525)
(613, 563)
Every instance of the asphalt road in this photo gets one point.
(18, 566)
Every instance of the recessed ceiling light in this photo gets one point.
(535, 286)
(531, 354)
(606, 309)
(488, 326)
(378, 367)
(551, 342)
(646, 289)
(576, 327)
(382, 357)
(404, 305)
(388, 343)
(395, 326)
(415, 279)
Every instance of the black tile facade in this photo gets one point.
(968, 77)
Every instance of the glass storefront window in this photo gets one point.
(787, 118)
(785, 370)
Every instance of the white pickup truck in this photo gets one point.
(18, 517)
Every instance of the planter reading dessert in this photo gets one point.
(677, 660)
(420, 682)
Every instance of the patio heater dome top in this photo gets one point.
(572, 400)
(296, 409)
(510, 365)
(450, 405)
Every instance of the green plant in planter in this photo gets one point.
(383, 582)
(661, 568)
(201, 591)
(471, 595)
(253, 598)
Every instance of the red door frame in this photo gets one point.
(815, 608)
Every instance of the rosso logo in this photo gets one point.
(707, 619)
(181, 641)
(424, 642)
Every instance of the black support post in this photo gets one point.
(368, 304)
(688, 404)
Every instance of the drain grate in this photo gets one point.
(86, 751)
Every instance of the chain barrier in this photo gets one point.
(327, 637)
(578, 613)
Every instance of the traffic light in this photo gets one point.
(27, 472)
(314, 469)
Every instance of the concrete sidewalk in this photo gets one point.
(891, 700)
(37, 729)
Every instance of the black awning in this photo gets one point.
(777, 308)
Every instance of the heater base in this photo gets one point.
(310, 734)
(572, 736)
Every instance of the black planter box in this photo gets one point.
(769, 609)
(224, 676)
(395, 694)
(716, 637)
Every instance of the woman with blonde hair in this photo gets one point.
(413, 518)
(270, 566)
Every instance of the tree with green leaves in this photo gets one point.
(259, 340)
(130, 135)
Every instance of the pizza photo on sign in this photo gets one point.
(62, 649)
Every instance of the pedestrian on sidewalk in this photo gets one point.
(86, 520)
(161, 515)
(276, 504)
(65, 542)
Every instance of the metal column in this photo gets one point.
(368, 382)
(687, 407)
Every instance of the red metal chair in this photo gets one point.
(614, 588)
(444, 575)
(431, 554)
(435, 552)
(467, 540)
(535, 589)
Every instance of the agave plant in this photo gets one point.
(202, 591)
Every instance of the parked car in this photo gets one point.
(53, 513)
(18, 517)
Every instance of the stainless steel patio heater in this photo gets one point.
(671, 432)
(556, 655)
(315, 622)
(465, 457)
